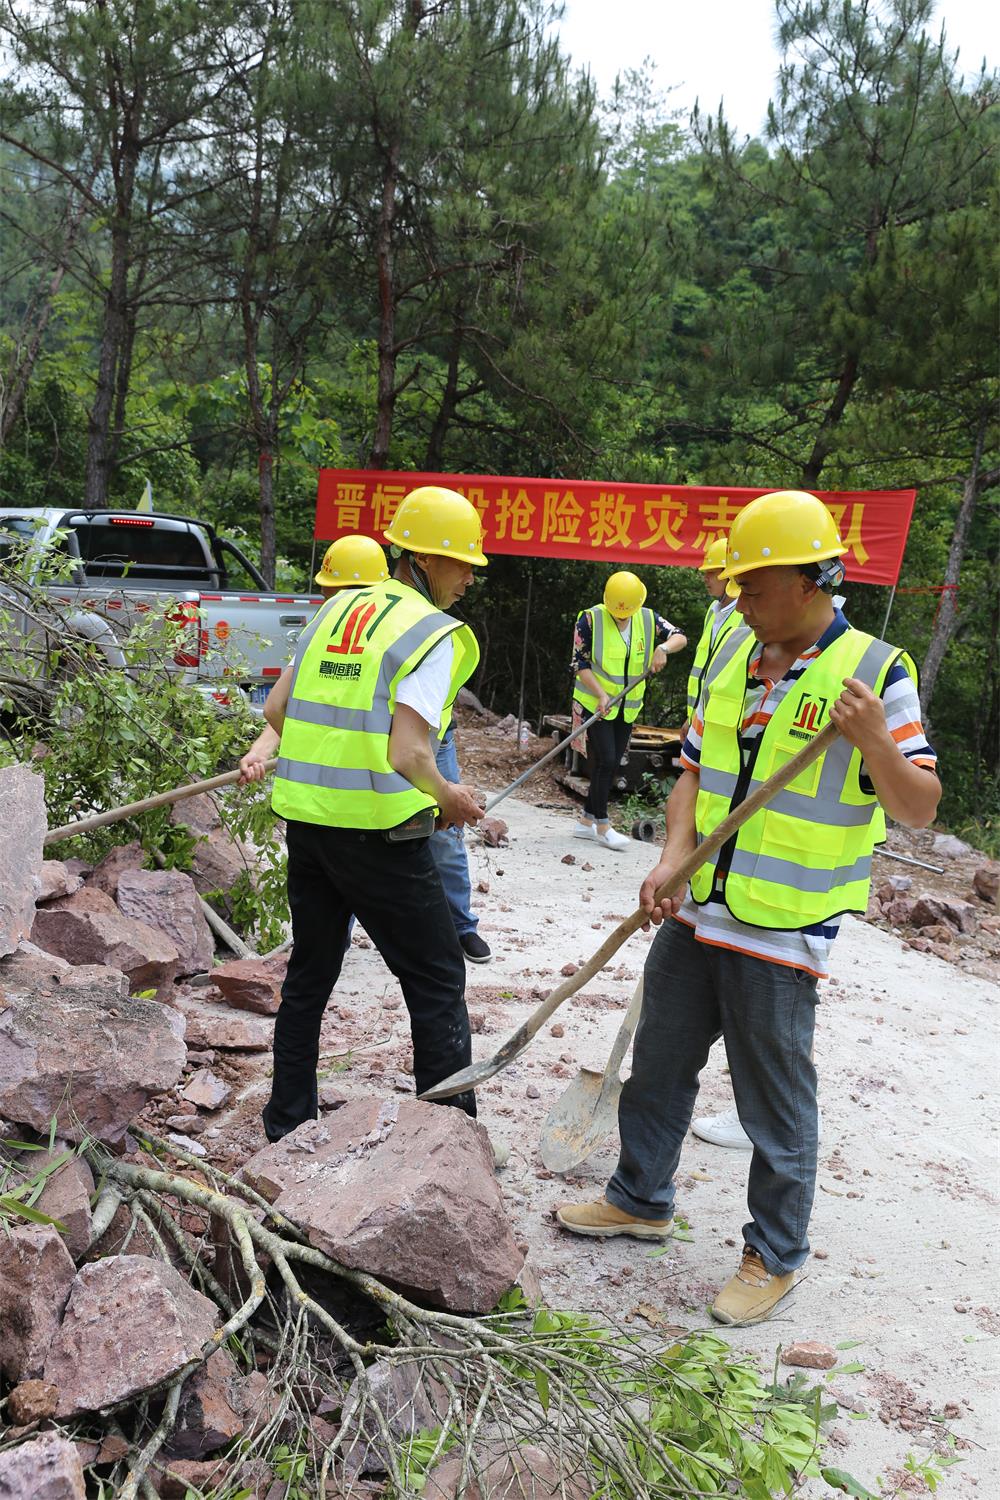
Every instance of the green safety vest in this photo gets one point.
(707, 647)
(806, 857)
(333, 761)
(613, 666)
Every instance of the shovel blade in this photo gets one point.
(581, 1119)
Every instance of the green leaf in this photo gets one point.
(853, 1368)
(839, 1479)
(542, 1387)
(10, 1205)
(849, 1344)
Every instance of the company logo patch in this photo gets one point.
(808, 716)
(350, 669)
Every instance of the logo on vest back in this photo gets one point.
(808, 716)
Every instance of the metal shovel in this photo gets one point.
(585, 1113)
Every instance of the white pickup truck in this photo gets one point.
(122, 565)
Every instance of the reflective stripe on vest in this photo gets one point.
(806, 857)
(613, 665)
(333, 765)
(707, 647)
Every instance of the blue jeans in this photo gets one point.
(448, 849)
(694, 994)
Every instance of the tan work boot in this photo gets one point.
(602, 1220)
(752, 1294)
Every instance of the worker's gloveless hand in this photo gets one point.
(659, 659)
(859, 715)
(656, 911)
(253, 766)
(602, 704)
(460, 805)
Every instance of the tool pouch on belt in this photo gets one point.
(420, 826)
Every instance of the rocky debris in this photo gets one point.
(106, 874)
(219, 1026)
(947, 846)
(493, 832)
(46, 1467)
(410, 1401)
(526, 1473)
(250, 984)
(896, 885)
(88, 928)
(930, 911)
(403, 1190)
(218, 859)
(66, 1194)
(168, 901)
(569, 969)
(104, 1353)
(22, 796)
(809, 1355)
(86, 1058)
(211, 1411)
(31, 1401)
(568, 859)
(986, 882)
(899, 911)
(55, 880)
(181, 1477)
(205, 1090)
(36, 1273)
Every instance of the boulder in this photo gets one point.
(896, 885)
(130, 1323)
(106, 874)
(986, 883)
(211, 1408)
(250, 984)
(179, 1477)
(947, 846)
(218, 859)
(167, 901)
(899, 911)
(930, 911)
(36, 1273)
(403, 1190)
(85, 1057)
(212, 1025)
(88, 928)
(46, 1467)
(526, 1473)
(55, 880)
(24, 824)
(67, 1192)
(493, 832)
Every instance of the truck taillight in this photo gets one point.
(186, 616)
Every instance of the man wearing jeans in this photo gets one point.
(743, 950)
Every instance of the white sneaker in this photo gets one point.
(612, 839)
(585, 831)
(726, 1130)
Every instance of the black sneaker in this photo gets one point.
(475, 948)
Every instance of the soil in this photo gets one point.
(904, 1224)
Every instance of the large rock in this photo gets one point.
(106, 874)
(403, 1190)
(167, 900)
(22, 828)
(217, 859)
(250, 984)
(66, 1194)
(88, 928)
(526, 1473)
(55, 880)
(986, 882)
(947, 846)
(46, 1467)
(86, 1058)
(930, 911)
(210, 1024)
(36, 1273)
(130, 1323)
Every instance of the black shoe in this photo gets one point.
(475, 948)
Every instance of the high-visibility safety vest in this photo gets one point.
(806, 857)
(708, 645)
(333, 761)
(613, 664)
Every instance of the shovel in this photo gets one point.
(479, 1072)
(585, 1113)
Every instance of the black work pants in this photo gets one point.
(395, 891)
(607, 741)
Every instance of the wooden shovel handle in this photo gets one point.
(130, 809)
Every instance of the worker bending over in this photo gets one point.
(744, 947)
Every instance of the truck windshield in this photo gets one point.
(116, 547)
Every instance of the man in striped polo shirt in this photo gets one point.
(746, 945)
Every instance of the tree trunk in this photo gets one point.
(944, 625)
(99, 419)
(268, 540)
(123, 377)
(828, 427)
(449, 402)
(386, 397)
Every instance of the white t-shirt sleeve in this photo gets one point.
(425, 690)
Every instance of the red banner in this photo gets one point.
(668, 525)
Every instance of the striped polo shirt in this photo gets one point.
(809, 947)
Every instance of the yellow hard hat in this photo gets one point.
(785, 529)
(439, 521)
(624, 594)
(350, 562)
(715, 557)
